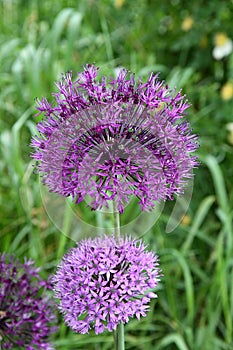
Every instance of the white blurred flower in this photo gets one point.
(223, 46)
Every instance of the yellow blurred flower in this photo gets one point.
(227, 91)
(220, 39)
(119, 3)
(223, 46)
(186, 220)
(187, 24)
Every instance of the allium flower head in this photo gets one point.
(114, 140)
(103, 281)
(26, 313)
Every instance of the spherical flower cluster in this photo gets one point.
(26, 313)
(105, 281)
(114, 140)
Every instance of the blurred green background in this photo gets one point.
(41, 39)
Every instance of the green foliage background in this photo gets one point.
(41, 39)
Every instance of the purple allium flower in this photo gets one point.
(115, 140)
(105, 281)
(26, 312)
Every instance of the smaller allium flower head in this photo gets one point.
(105, 281)
(26, 312)
(115, 140)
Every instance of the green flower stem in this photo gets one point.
(119, 337)
(119, 332)
(116, 217)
